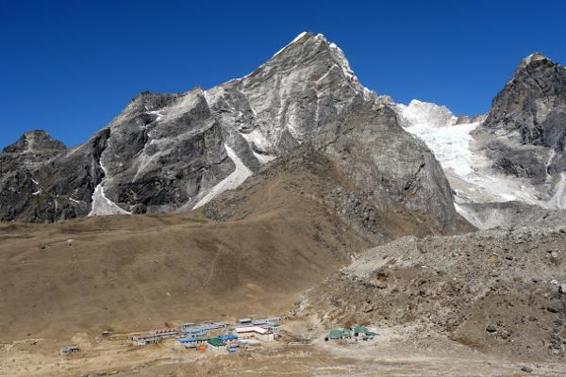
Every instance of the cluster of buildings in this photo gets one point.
(216, 336)
(154, 337)
(225, 337)
(352, 334)
(69, 350)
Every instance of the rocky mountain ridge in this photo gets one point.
(175, 152)
(171, 152)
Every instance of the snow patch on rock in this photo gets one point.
(213, 95)
(101, 205)
(157, 113)
(296, 39)
(259, 145)
(558, 200)
(235, 179)
(535, 56)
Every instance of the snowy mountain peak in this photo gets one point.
(320, 40)
(535, 56)
(529, 61)
(431, 114)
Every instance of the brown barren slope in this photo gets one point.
(136, 272)
(252, 251)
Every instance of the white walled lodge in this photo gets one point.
(256, 332)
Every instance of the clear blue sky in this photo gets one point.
(70, 66)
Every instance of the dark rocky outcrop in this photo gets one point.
(525, 130)
(43, 181)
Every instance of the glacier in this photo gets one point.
(467, 170)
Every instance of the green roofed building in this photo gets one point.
(336, 334)
(363, 332)
(357, 332)
(216, 344)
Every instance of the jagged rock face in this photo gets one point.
(168, 152)
(388, 164)
(162, 152)
(43, 181)
(291, 98)
(19, 162)
(527, 123)
(536, 91)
